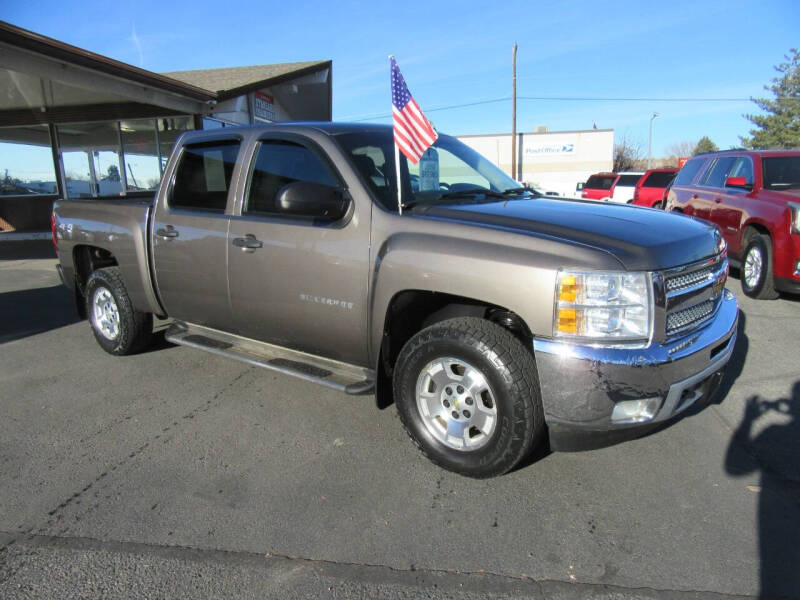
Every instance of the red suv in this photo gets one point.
(652, 187)
(754, 199)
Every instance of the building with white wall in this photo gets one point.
(553, 160)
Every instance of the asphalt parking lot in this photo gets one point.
(175, 473)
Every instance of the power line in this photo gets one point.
(606, 99)
(573, 99)
(435, 109)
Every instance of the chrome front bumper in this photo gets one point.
(580, 385)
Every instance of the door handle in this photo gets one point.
(718, 200)
(167, 233)
(249, 242)
(695, 196)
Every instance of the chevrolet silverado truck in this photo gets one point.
(494, 318)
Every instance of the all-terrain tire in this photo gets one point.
(510, 371)
(106, 295)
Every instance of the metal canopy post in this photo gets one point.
(61, 183)
(123, 176)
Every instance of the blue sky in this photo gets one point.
(460, 52)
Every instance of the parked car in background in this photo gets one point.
(753, 197)
(537, 189)
(611, 187)
(652, 187)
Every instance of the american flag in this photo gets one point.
(413, 133)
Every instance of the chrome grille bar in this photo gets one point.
(693, 294)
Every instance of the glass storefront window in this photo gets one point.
(90, 153)
(169, 128)
(26, 161)
(140, 152)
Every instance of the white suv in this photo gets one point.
(625, 186)
(612, 187)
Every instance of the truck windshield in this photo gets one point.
(449, 172)
(781, 172)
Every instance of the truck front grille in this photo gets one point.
(687, 280)
(693, 294)
(688, 317)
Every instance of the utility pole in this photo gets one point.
(650, 141)
(514, 112)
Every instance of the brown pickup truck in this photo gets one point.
(494, 318)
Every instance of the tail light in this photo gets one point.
(53, 229)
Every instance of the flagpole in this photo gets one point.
(397, 166)
(399, 187)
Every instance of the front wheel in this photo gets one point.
(467, 393)
(117, 326)
(756, 272)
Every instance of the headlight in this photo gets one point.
(603, 306)
(795, 226)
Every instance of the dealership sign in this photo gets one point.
(264, 107)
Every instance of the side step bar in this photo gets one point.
(344, 377)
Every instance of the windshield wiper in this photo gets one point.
(516, 190)
(471, 192)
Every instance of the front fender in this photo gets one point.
(488, 272)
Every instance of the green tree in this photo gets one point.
(780, 127)
(705, 145)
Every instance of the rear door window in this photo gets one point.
(716, 175)
(600, 182)
(658, 179)
(203, 176)
(781, 172)
(686, 175)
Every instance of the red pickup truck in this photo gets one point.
(753, 197)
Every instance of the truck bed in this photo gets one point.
(86, 228)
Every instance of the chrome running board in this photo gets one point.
(344, 377)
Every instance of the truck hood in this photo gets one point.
(640, 238)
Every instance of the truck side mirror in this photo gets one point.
(579, 186)
(738, 182)
(315, 200)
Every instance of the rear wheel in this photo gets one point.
(756, 271)
(117, 326)
(467, 393)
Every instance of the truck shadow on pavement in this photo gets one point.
(732, 371)
(774, 453)
(36, 310)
